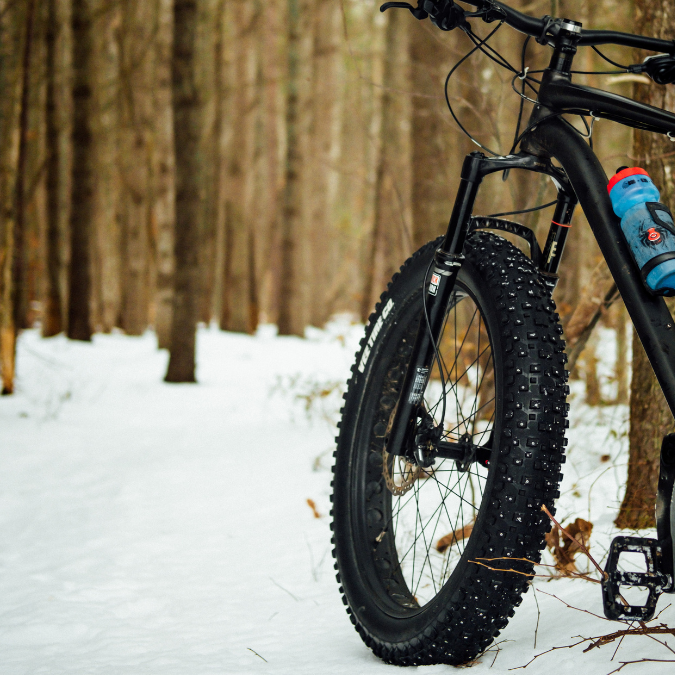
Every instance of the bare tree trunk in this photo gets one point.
(391, 241)
(214, 180)
(324, 153)
(186, 110)
(593, 394)
(35, 171)
(238, 306)
(209, 42)
(267, 249)
(433, 141)
(360, 157)
(52, 318)
(650, 417)
(598, 296)
(107, 263)
(224, 49)
(19, 280)
(650, 421)
(81, 216)
(137, 34)
(164, 173)
(292, 306)
(12, 27)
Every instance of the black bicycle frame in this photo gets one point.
(555, 139)
(582, 179)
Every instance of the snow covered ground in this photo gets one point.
(165, 529)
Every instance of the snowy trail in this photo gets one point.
(152, 528)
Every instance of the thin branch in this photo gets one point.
(580, 544)
(548, 651)
(574, 575)
(585, 611)
(628, 663)
(258, 655)
(611, 637)
(536, 630)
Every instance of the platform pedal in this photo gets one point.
(653, 579)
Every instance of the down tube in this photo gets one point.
(650, 316)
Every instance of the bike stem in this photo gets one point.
(439, 286)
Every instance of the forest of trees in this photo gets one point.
(169, 162)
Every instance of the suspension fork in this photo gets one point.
(440, 283)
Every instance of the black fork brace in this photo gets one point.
(400, 438)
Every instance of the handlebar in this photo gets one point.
(447, 15)
(536, 28)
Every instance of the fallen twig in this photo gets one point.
(628, 663)
(258, 655)
(606, 639)
(536, 630)
(548, 651)
(563, 573)
(580, 544)
(601, 640)
(585, 611)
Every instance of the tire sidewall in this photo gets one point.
(360, 586)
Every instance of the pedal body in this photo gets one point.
(654, 579)
(659, 553)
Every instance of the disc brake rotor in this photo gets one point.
(404, 479)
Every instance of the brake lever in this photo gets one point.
(417, 12)
(659, 67)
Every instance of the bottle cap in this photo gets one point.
(633, 171)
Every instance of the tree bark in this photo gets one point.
(82, 199)
(52, 317)
(650, 421)
(238, 311)
(164, 175)
(270, 41)
(212, 221)
(19, 301)
(137, 34)
(107, 279)
(650, 417)
(321, 182)
(293, 314)
(433, 149)
(391, 240)
(12, 30)
(598, 296)
(186, 110)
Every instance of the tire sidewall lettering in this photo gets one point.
(377, 328)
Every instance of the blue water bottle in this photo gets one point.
(648, 227)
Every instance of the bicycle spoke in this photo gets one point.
(418, 519)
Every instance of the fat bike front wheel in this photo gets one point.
(414, 546)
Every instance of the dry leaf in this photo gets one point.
(580, 530)
(312, 505)
(454, 537)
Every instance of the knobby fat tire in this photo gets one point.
(475, 603)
